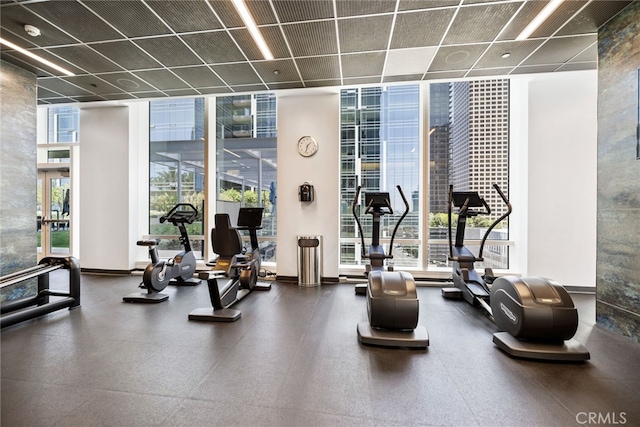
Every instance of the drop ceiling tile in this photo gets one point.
(479, 23)
(14, 17)
(483, 72)
(456, 57)
(322, 68)
(595, 14)
(131, 18)
(431, 27)
(87, 26)
(215, 47)
(169, 51)
(579, 66)
(314, 38)
(518, 52)
(559, 50)
(402, 78)
(85, 58)
(364, 34)
(198, 76)
(127, 82)
(61, 86)
(236, 74)
(409, 61)
(364, 7)
(426, 4)
(290, 10)
(557, 19)
(286, 71)
(161, 79)
(92, 84)
(126, 54)
(359, 64)
(546, 68)
(186, 15)
(445, 75)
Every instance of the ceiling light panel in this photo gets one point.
(565, 11)
(132, 18)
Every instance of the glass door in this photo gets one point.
(54, 217)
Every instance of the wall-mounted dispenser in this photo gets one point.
(305, 192)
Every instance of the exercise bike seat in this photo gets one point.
(148, 242)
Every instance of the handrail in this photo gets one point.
(353, 211)
(406, 211)
(496, 222)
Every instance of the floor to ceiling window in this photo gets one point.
(469, 149)
(176, 168)
(467, 139)
(246, 166)
(380, 149)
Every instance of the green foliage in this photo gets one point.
(161, 203)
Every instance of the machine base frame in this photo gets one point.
(211, 315)
(145, 297)
(418, 338)
(567, 351)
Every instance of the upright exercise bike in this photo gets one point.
(392, 299)
(177, 270)
(237, 270)
(536, 316)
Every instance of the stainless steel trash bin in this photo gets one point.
(309, 260)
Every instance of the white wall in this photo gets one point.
(315, 113)
(562, 171)
(105, 199)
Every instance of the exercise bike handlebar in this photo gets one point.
(177, 216)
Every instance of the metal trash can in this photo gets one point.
(309, 260)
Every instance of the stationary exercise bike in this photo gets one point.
(177, 270)
(392, 299)
(238, 270)
(536, 316)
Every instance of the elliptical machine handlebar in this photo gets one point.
(355, 215)
(497, 221)
(395, 229)
(368, 210)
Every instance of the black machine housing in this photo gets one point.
(392, 299)
(536, 316)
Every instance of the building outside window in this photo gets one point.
(176, 168)
(380, 149)
(468, 146)
(246, 161)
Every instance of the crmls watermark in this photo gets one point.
(606, 418)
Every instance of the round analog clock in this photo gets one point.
(307, 146)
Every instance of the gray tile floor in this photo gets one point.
(293, 359)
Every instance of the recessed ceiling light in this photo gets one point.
(253, 28)
(505, 55)
(539, 19)
(36, 57)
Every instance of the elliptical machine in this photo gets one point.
(177, 270)
(241, 270)
(392, 299)
(536, 316)
(377, 204)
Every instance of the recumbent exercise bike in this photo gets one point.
(238, 269)
(392, 299)
(177, 270)
(536, 316)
